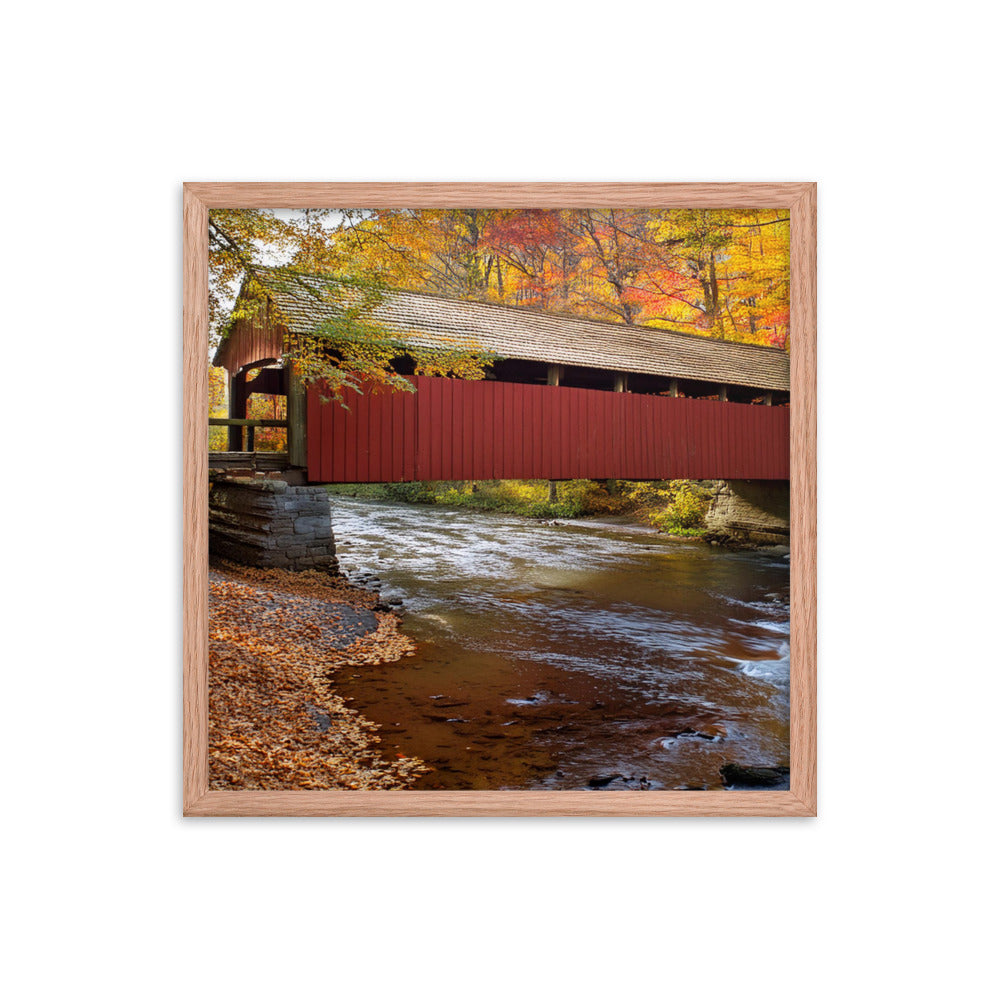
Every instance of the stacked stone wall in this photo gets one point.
(265, 522)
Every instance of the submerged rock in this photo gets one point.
(603, 780)
(706, 731)
(755, 776)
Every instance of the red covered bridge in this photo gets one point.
(566, 398)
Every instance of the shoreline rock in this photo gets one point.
(748, 514)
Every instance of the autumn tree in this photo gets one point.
(348, 347)
(724, 272)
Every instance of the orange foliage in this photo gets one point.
(721, 272)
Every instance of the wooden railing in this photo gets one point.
(250, 425)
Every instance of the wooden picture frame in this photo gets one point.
(799, 799)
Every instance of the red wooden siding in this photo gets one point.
(257, 338)
(453, 429)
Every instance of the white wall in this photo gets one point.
(891, 108)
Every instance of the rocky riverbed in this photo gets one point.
(276, 642)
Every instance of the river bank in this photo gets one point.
(276, 640)
(676, 507)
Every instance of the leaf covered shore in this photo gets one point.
(276, 641)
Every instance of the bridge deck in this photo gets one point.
(260, 461)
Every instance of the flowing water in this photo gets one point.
(557, 655)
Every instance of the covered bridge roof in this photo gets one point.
(432, 321)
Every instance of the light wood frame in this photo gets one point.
(800, 799)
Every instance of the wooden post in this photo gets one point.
(768, 398)
(296, 418)
(673, 388)
(621, 381)
(237, 408)
(723, 394)
(555, 376)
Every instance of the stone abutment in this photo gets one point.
(749, 513)
(266, 522)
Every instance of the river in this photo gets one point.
(557, 655)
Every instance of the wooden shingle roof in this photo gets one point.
(432, 321)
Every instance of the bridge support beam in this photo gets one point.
(266, 522)
(238, 396)
(296, 418)
(747, 513)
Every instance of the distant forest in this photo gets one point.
(719, 273)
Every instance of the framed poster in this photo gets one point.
(500, 499)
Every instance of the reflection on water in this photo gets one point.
(554, 654)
